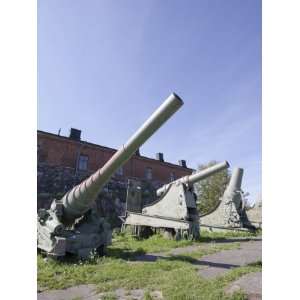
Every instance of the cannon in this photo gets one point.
(230, 211)
(72, 225)
(175, 211)
(189, 180)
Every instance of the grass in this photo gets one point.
(216, 236)
(176, 279)
(207, 249)
(124, 244)
(155, 243)
(175, 276)
(109, 296)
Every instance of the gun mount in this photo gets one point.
(230, 213)
(71, 225)
(175, 211)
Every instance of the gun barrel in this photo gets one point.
(233, 191)
(206, 172)
(191, 179)
(77, 201)
(235, 182)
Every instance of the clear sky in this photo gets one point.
(105, 66)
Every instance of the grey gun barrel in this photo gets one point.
(235, 182)
(191, 179)
(233, 191)
(77, 201)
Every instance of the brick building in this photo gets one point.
(72, 152)
(63, 162)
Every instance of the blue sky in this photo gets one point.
(104, 66)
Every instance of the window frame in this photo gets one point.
(149, 173)
(83, 160)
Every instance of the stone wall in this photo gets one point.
(55, 181)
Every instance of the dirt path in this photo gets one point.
(82, 292)
(88, 292)
(249, 283)
(221, 262)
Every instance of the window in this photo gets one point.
(148, 173)
(83, 162)
(120, 171)
(172, 176)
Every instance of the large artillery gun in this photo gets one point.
(230, 211)
(175, 211)
(72, 225)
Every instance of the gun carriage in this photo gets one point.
(175, 210)
(230, 211)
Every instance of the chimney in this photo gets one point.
(75, 134)
(160, 156)
(182, 163)
(137, 152)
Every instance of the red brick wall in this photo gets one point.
(61, 151)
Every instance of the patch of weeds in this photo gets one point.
(207, 236)
(124, 253)
(126, 246)
(238, 272)
(155, 243)
(109, 296)
(238, 295)
(147, 296)
(207, 250)
(256, 264)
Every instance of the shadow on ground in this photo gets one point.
(194, 261)
(125, 253)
